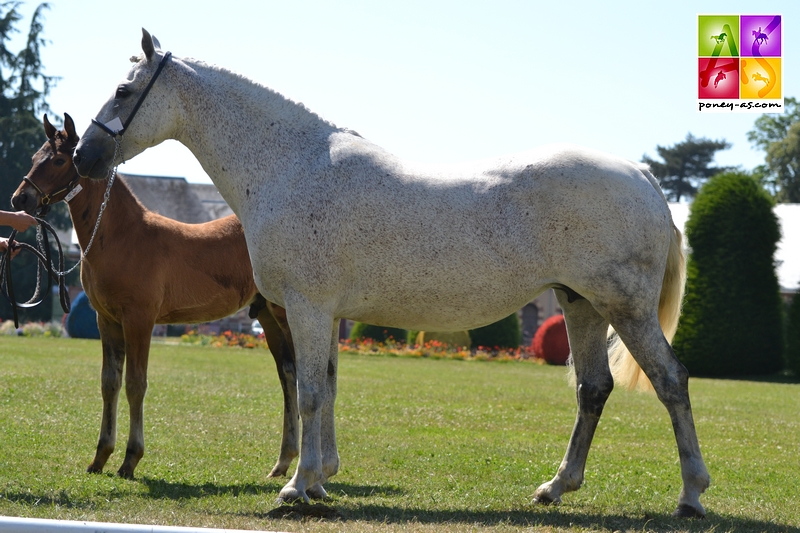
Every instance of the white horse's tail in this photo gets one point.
(624, 368)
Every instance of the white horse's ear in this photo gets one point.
(147, 45)
(156, 43)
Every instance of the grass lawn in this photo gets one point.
(425, 445)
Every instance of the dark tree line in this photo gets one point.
(23, 99)
(685, 166)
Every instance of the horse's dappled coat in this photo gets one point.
(338, 228)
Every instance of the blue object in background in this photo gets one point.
(82, 319)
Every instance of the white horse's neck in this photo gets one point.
(242, 110)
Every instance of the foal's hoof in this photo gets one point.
(94, 469)
(687, 511)
(125, 473)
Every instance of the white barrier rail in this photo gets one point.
(10, 524)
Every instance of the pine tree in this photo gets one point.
(685, 165)
(23, 92)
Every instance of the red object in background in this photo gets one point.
(550, 341)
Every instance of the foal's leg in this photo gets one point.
(276, 331)
(330, 454)
(670, 379)
(113, 342)
(137, 348)
(312, 329)
(586, 330)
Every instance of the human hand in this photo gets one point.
(4, 247)
(20, 220)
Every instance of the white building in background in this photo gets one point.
(787, 256)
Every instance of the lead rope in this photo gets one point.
(42, 253)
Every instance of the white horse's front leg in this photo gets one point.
(311, 331)
(586, 330)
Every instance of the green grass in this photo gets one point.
(426, 445)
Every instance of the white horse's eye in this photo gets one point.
(122, 92)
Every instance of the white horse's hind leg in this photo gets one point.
(330, 454)
(311, 331)
(586, 330)
(670, 379)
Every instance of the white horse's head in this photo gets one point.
(142, 112)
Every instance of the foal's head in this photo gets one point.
(52, 175)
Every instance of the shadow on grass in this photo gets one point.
(161, 489)
(784, 377)
(535, 517)
(61, 499)
(539, 517)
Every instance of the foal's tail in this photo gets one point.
(624, 368)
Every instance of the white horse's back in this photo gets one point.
(461, 246)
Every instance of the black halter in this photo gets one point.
(138, 103)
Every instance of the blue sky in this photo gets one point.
(434, 81)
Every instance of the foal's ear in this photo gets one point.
(69, 129)
(49, 129)
(147, 45)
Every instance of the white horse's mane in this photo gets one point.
(297, 110)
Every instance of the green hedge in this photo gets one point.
(793, 335)
(731, 322)
(376, 333)
(503, 334)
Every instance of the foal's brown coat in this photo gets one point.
(145, 269)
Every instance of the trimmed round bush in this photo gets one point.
(377, 333)
(550, 341)
(503, 334)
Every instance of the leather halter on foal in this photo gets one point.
(48, 198)
(119, 132)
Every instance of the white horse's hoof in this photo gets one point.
(316, 492)
(544, 496)
(292, 495)
(685, 510)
